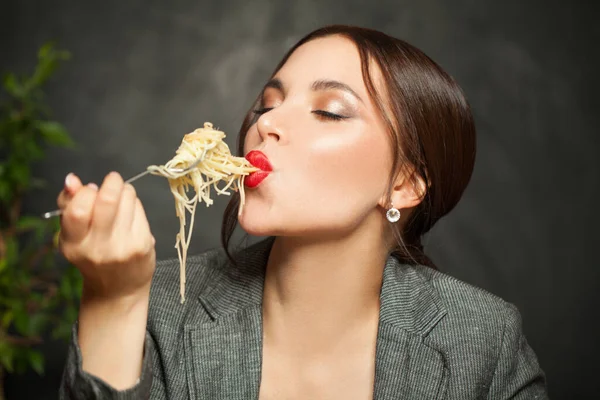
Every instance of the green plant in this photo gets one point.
(37, 296)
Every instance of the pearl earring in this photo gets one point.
(393, 214)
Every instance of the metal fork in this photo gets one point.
(56, 213)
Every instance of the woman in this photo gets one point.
(364, 143)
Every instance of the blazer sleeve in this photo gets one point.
(518, 374)
(77, 384)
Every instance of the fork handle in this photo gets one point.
(138, 176)
(51, 214)
(56, 213)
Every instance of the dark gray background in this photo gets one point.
(145, 72)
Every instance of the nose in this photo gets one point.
(269, 127)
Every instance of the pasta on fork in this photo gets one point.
(218, 164)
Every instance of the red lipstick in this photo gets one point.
(259, 160)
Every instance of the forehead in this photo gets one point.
(329, 58)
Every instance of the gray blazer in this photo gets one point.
(438, 338)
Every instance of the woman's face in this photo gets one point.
(327, 145)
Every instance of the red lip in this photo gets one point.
(260, 161)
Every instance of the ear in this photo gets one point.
(408, 192)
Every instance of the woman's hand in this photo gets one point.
(106, 235)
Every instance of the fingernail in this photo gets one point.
(93, 186)
(69, 180)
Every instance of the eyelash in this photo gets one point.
(321, 113)
(261, 111)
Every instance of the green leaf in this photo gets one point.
(33, 150)
(62, 330)
(37, 322)
(7, 355)
(27, 223)
(48, 60)
(54, 133)
(26, 131)
(5, 192)
(41, 233)
(45, 50)
(36, 360)
(12, 85)
(78, 283)
(22, 322)
(48, 51)
(7, 318)
(73, 286)
(66, 288)
(20, 173)
(12, 250)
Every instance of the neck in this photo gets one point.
(322, 289)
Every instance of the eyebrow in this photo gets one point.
(320, 85)
(275, 83)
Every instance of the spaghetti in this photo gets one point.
(217, 165)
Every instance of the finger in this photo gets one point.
(63, 199)
(140, 227)
(76, 219)
(71, 187)
(72, 183)
(126, 211)
(107, 204)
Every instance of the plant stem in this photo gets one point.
(22, 341)
(41, 252)
(15, 210)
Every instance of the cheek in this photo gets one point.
(358, 163)
(325, 181)
(255, 218)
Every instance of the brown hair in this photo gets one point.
(430, 124)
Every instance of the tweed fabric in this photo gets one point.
(438, 338)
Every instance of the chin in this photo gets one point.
(256, 225)
(262, 226)
(258, 231)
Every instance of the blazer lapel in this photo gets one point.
(224, 355)
(224, 358)
(406, 368)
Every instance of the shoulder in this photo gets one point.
(442, 308)
(466, 302)
(482, 336)
(460, 317)
(477, 324)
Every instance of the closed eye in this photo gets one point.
(320, 113)
(329, 115)
(261, 111)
